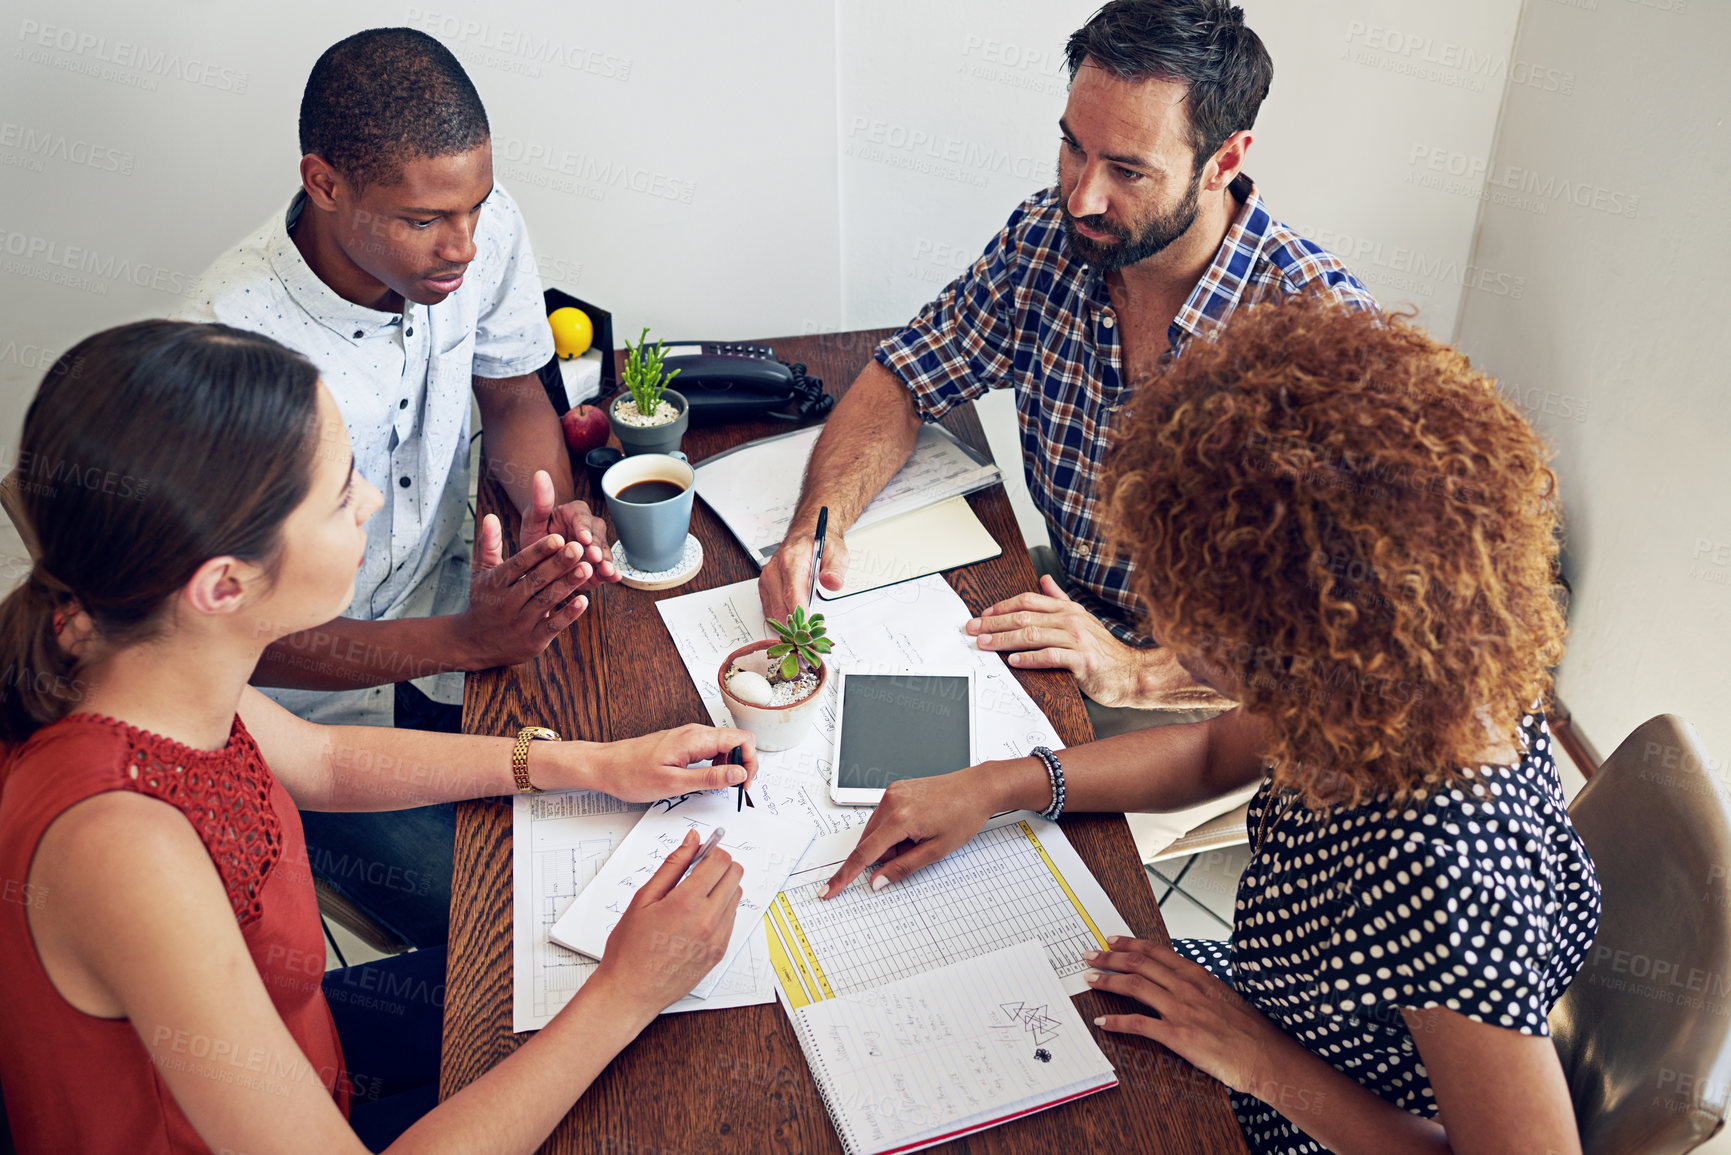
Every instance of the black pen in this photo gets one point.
(737, 758)
(817, 558)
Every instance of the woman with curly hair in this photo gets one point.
(1336, 521)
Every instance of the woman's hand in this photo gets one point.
(922, 819)
(658, 765)
(672, 935)
(1199, 1018)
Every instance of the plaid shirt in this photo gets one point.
(1032, 316)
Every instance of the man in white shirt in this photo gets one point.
(406, 275)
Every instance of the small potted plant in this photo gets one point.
(648, 417)
(771, 687)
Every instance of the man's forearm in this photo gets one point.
(346, 654)
(521, 435)
(868, 437)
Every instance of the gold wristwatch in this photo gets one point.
(520, 755)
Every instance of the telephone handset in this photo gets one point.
(731, 379)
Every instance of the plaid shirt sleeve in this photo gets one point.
(962, 343)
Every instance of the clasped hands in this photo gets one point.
(517, 605)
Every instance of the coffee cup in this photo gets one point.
(649, 497)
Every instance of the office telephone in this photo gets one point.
(733, 379)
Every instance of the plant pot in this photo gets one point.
(634, 439)
(775, 727)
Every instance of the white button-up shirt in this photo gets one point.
(403, 383)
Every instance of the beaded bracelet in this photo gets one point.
(1055, 772)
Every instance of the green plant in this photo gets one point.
(802, 640)
(643, 373)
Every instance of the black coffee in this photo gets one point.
(650, 492)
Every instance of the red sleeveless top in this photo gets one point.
(74, 1082)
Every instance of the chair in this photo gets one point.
(1644, 1032)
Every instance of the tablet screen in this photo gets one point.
(902, 726)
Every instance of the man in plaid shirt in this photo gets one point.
(1153, 237)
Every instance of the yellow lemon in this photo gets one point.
(572, 332)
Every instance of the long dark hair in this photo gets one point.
(149, 449)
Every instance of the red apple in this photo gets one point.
(586, 427)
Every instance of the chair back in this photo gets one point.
(1644, 1032)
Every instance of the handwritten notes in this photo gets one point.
(767, 845)
(559, 840)
(949, 1051)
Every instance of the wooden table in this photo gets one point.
(735, 1080)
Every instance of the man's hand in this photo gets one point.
(1048, 630)
(519, 605)
(786, 577)
(572, 521)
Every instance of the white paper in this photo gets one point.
(1018, 880)
(581, 377)
(766, 845)
(914, 623)
(755, 488)
(917, 623)
(559, 840)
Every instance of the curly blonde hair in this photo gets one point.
(1346, 520)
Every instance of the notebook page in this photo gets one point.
(754, 488)
(766, 845)
(953, 1050)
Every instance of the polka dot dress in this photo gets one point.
(1479, 897)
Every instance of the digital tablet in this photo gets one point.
(900, 724)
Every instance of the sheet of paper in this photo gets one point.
(911, 545)
(559, 841)
(916, 623)
(950, 1051)
(1018, 880)
(755, 488)
(767, 845)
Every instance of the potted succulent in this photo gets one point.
(771, 687)
(648, 417)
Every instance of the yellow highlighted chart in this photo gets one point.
(1019, 880)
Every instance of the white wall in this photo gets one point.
(948, 118)
(676, 161)
(803, 166)
(1608, 184)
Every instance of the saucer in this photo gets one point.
(638, 579)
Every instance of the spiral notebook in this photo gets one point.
(949, 1052)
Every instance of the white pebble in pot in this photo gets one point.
(749, 686)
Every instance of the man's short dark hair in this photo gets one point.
(387, 96)
(1201, 42)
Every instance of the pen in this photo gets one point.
(737, 758)
(703, 851)
(817, 558)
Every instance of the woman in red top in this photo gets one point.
(193, 497)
